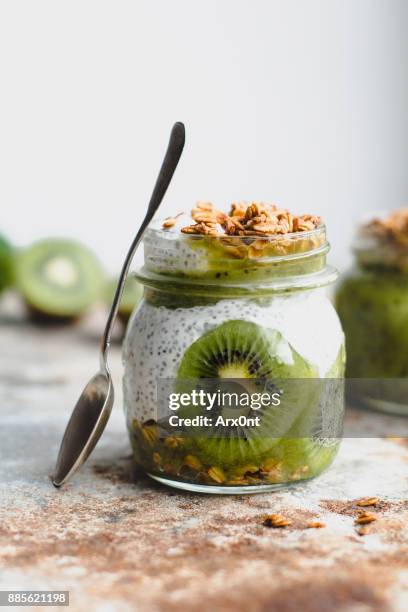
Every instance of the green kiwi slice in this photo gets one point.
(59, 278)
(6, 263)
(256, 357)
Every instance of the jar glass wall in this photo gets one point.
(242, 309)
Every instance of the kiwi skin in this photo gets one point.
(49, 320)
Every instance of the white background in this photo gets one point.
(301, 102)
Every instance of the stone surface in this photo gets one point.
(118, 541)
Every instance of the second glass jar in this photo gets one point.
(372, 302)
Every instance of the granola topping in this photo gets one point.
(393, 228)
(244, 219)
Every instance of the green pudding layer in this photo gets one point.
(373, 308)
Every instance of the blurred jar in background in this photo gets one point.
(372, 302)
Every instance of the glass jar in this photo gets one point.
(372, 302)
(244, 309)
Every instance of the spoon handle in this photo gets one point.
(170, 161)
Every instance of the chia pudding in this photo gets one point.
(238, 296)
(372, 302)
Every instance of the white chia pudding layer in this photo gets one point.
(158, 337)
(166, 252)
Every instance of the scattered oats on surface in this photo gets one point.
(367, 501)
(364, 518)
(364, 530)
(276, 520)
(315, 525)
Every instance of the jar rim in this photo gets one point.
(313, 280)
(234, 263)
(373, 250)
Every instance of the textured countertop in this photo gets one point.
(118, 541)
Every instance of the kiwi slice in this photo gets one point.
(58, 278)
(6, 264)
(132, 294)
(257, 358)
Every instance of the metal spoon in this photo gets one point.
(92, 410)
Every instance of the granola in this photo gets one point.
(393, 228)
(276, 520)
(217, 474)
(365, 517)
(367, 501)
(315, 525)
(245, 219)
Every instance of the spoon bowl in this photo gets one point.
(87, 422)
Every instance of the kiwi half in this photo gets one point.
(58, 278)
(6, 264)
(254, 357)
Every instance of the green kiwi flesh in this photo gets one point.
(244, 351)
(59, 278)
(7, 261)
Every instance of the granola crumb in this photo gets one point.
(364, 518)
(173, 442)
(276, 520)
(157, 458)
(362, 531)
(217, 474)
(169, 222)
(367, 501)
(193, 462)
(315, 525)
